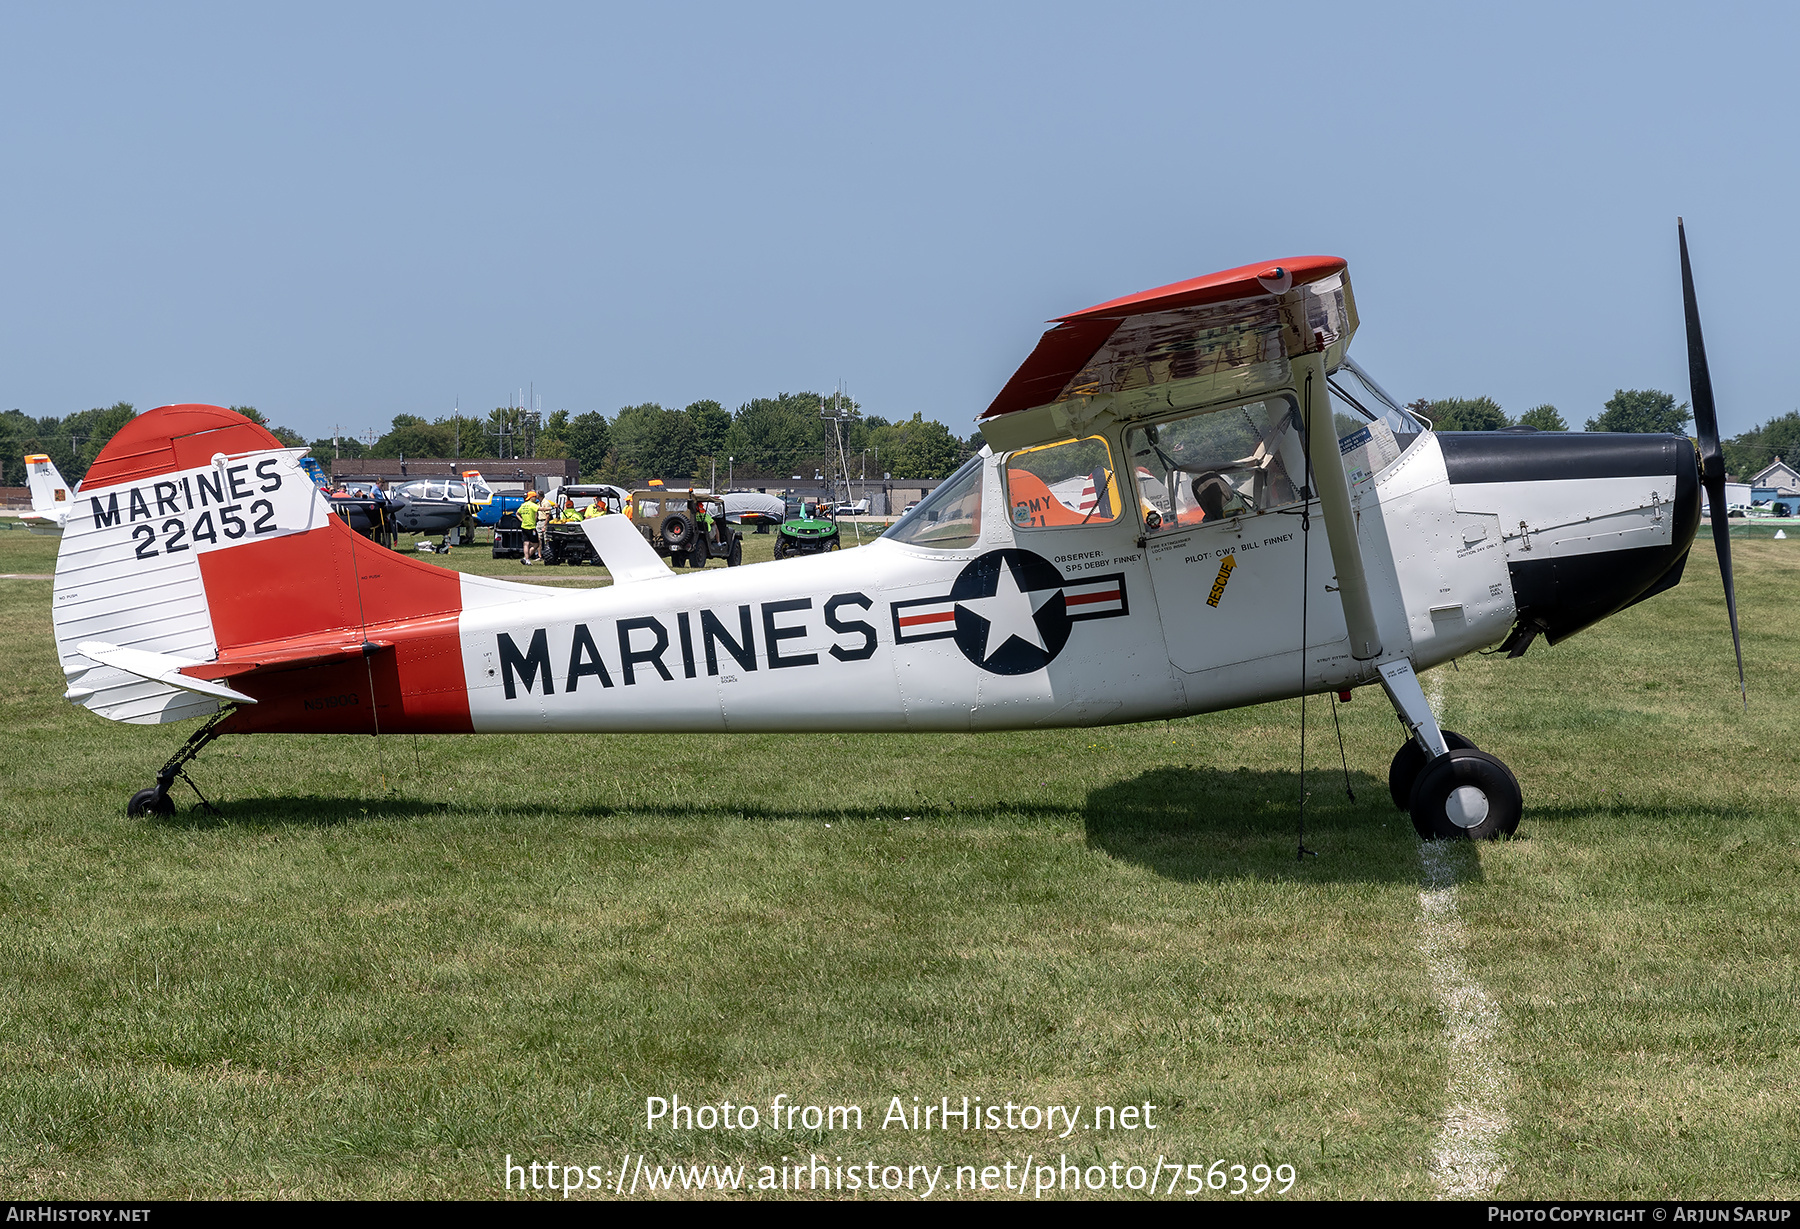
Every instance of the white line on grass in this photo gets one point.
(1466, 1162)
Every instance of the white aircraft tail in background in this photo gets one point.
(51, 496)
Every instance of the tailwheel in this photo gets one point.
(156, 800)
(1410, 761)
(1466, 795)
(152, 801)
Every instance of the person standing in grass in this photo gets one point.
(528, 521)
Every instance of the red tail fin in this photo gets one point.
(196, 535)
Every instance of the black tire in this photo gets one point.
(782, 547)
(150, 801)
(1467, 795)
(736, 557)
(1409, 762)
(678, 530)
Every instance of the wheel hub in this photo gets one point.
(1466, 807)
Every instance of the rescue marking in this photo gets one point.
(1226, 567)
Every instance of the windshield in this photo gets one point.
(949, 517)
(1354, 392)
(1372, 429)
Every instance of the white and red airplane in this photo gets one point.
(1191, 499)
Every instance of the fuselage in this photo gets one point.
(1021, 626)
(1106, 626)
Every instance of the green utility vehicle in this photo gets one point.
(808, 530)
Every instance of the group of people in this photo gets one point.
(535, 517)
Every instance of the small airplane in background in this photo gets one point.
(51, 495)
(1191, 499)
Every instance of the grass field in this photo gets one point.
(385, 968)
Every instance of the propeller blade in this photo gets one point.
(1712, 460)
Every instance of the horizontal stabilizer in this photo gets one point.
(267, 658)
(623, 549)
(157, 668)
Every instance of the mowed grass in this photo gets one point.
(385, 967)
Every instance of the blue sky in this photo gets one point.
(341, 213)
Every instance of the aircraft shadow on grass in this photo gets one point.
(321, 812)
(1195, 824)
(295, 812)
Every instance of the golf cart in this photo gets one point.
(676, 523)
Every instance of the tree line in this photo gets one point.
(784, 435)
(1633, 410)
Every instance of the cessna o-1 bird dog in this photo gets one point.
(1190, 499)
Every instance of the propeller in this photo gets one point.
(1712, 461)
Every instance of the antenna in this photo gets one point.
(840, 465)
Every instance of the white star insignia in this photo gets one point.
(1010, 613)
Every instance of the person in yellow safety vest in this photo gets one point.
(705, 518)
(597, 508)
(529, 511)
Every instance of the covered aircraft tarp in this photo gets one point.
(755, 505)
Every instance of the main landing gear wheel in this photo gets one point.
(1466, 795)
(1410, 761)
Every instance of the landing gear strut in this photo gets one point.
(156, 800)
(1409, 762)
(1451, 790)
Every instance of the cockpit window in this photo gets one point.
(949, 517)
(1068, 483)
(1218, 463)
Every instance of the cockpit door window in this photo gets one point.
(1218, 463)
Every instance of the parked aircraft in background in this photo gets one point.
(51, 495)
